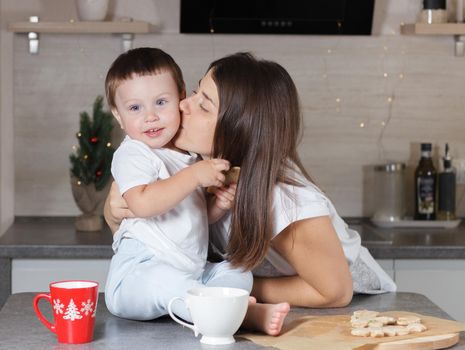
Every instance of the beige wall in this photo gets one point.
(341, 80)
(6, 125)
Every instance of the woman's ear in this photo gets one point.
(115, 113)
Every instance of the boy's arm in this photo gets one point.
(160, 196)
(220, 202)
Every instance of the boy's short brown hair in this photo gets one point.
(141, 61)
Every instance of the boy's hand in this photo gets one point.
(231, 176)
(210, 172)
(224, 196)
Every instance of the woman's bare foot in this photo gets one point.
(266, 318)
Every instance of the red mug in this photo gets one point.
(74, 306)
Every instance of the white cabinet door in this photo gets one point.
(34, 275)
(388, 266)
(442, 281)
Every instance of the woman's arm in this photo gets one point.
(116, 208)
(312, 247)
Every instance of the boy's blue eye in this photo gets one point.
(134, 108)
(161, 102)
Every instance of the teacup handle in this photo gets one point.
(41, 317)
(175, 318)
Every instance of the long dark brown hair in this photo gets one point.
(258, 129)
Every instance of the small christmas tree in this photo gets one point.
(91, 166)
(91, 161)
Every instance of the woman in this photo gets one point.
(281, 225)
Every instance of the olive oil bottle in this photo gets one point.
(425, 186)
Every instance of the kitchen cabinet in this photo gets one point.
(441, 280)
(34, 275)
(388, 266)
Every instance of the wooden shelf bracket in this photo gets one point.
(459, 45)
(33, 37)
(126, 41)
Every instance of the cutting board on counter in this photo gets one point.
(333, 332)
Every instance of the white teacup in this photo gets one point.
(217, 312)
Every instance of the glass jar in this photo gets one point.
(389, 192)
(434, 11)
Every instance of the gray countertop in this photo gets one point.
(20, 328)
(411, 243)
(56, 237)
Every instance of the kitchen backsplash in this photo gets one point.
(365, 100)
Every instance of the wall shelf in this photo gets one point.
(89, 27)
(127, 29)
(455, 29)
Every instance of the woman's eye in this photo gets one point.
(134, 108)
(194, 92)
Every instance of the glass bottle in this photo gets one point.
(425, 186)
(446, 189)
(434, 11)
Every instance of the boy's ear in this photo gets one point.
(115, 113)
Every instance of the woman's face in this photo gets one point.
(199, 116)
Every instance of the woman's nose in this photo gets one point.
(184, 105)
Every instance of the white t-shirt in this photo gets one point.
(178, 237)
(293, 203)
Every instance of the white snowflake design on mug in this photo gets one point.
(87, 307)
(58, 306)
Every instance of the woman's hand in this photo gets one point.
(220, 202)
(116, 208)
(224, 197)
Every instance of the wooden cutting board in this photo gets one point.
(333, 332)
(432, 342)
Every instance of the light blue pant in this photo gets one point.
(139, 286)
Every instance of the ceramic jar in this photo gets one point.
(92, 10)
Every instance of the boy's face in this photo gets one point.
(147, 108)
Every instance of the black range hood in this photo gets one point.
(319, 17)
